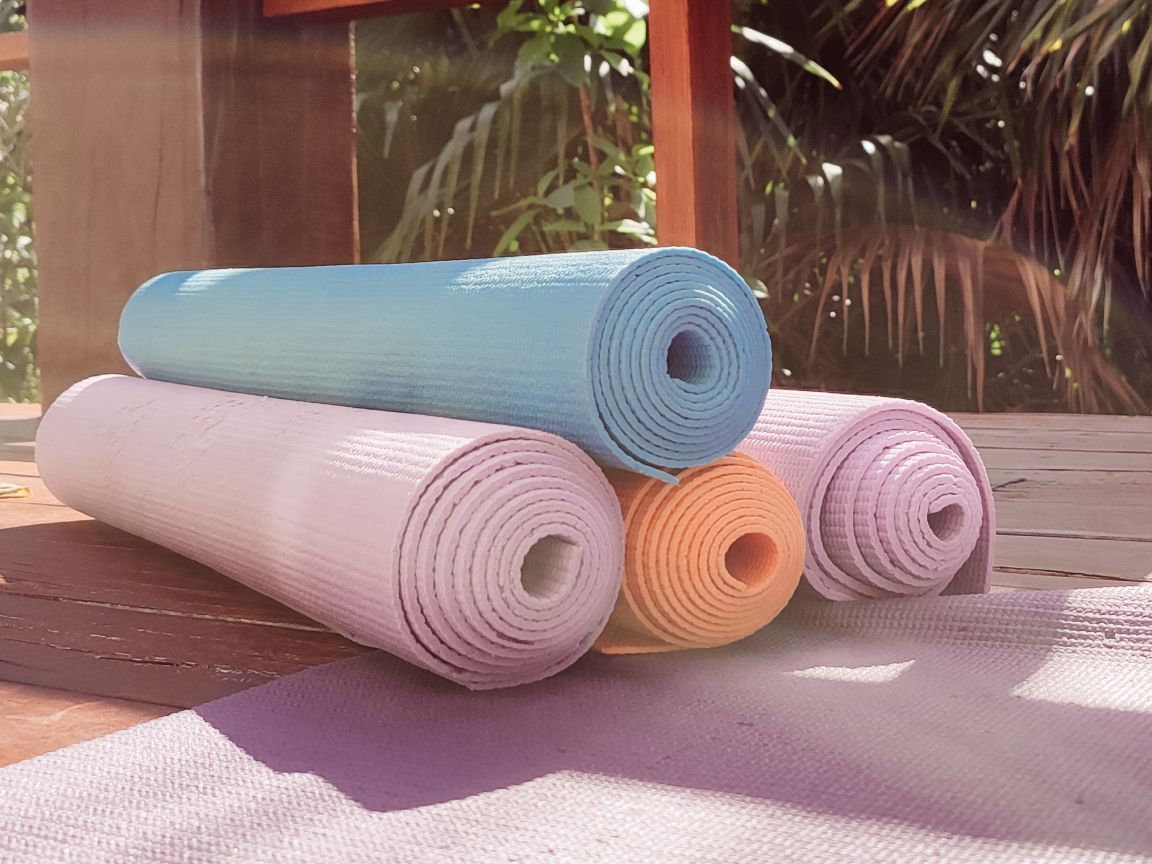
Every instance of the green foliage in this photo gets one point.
(966, 132)
(18, 379)
(600, 193)
(558, 154)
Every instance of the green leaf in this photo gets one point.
(479, 151)
(562, 198)
(509, 16)
(512, 233)
(570, 225)
(533, 53)
(635, 35)
(588, 205)
(788, 53)
(599, 7)
(571, 56)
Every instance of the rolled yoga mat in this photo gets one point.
(486, 554)
(646, 359)
(894, 497)
(707, 561)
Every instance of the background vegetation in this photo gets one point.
(944, 200)
(18, 381)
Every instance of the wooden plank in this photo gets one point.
(88, 607)
(16, 411)
(36, 720)
(17, 430)
(1054, 422)
(1066, 460)
(19, 469)
(17, 421)
(693, 125)
(1138, 442)
(21, 450)
(1111, 490)
(178, 134)
(1067, 519)
(1063, 555)
(1027, 580)
(358, 8)
(14, 52)
(149, 655)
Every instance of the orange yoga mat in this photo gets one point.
(707, 561)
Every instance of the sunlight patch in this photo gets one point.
(863, 674)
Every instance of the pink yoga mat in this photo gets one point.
(1001, 729)
(894, 497)
(487, 554)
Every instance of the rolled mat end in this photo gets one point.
(487, 554)
(707, 562)
(895, 499)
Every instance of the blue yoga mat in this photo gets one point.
(647, 359)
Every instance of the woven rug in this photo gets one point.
(973, 729)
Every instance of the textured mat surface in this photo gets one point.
(487, 554)
(894, 497)
(708, 561)
(975, 730)
(643, 358)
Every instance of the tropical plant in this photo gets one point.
(995, 153)
(560, 147)
(18, 380)
(959, 188)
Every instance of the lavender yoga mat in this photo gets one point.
(894, 497)
(647, 359)
(487, 554)
(966, 730)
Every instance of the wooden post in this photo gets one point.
(693, 125)
(175, 134)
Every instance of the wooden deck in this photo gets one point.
(123, 630)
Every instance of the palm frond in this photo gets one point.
(972, 281)
(1069, 84)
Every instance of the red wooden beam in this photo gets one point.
(356, 8)
(693, 125)
(14, 51)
